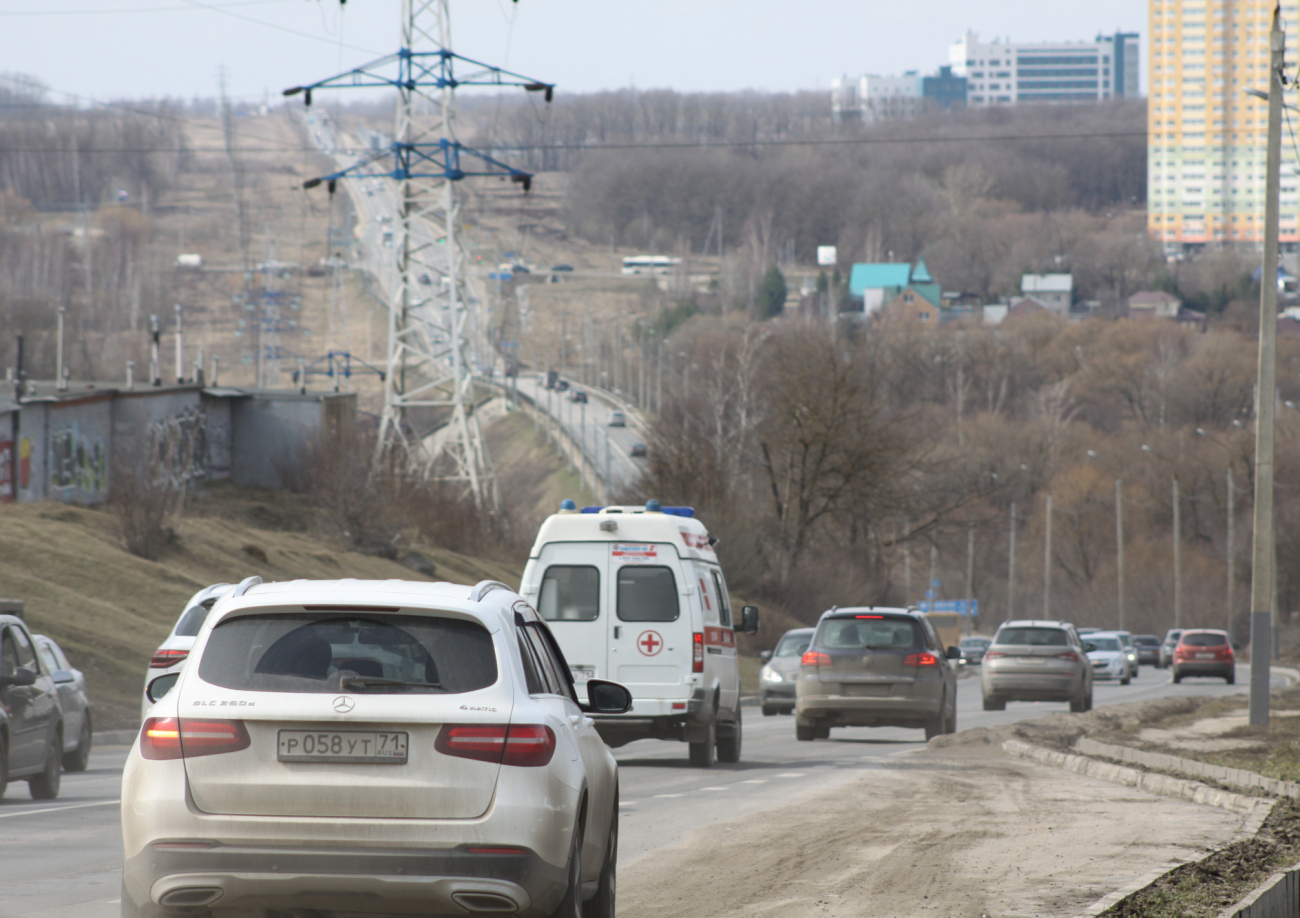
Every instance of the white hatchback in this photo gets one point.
(372, 748)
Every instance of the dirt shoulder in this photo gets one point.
(963, 831)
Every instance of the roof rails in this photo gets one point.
(245, 585)
(483, 587)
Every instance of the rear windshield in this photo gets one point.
(317, 652)
(1103, 643)
(1147, 640)
(647, 594)
(570, 594)
(793, 645)
(1034, 637)
(191, 621)
(974, 642)
(1204, 639)
(883, 633)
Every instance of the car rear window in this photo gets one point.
(878, 633)
(1204, 639)
(570, 593)
(191, 621)
(647, 594)
(1033, 637)
(314, 652)
(1147, 640)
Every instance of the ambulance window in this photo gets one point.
(647, 594)
(724, 601)
(570, 594)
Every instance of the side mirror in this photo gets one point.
(765, 654)
(1089, 647)
(62, 677)
(18, 677)
(749, 619)
(607, 698)
(954, 653)
(161, 686)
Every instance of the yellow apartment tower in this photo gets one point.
(1205, 137)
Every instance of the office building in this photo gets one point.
(1001, 73)
(872, 99)
(1206, 147)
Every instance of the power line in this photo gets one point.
(275, 26)
(100, 11)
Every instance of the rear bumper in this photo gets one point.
(777, 693)
(1204, 668)
(689, 723)
(416, 881)
(1030, 686)
(866, 712)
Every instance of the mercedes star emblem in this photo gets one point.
(343, 704)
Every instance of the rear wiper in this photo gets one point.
(351, 681)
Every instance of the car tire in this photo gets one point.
(1178, 677)
(702, 754)
(769, 710)
(1230, 678)
(729, 746)
(993, 703)
(804, 734)
(601, 905)
(79, 758)
(571, 905)
(4, 765)
(934, 726)
(950, 726)
(1087, 702)
(821, 731)
(1126, 680)
(45, 786)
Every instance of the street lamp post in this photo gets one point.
(1047, 563)
(1119, 549)
(1011, 567)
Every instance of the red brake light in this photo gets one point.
(188, 737)
(162, 659)
(994, 654)
(697, 660)
(868, 616)
(518, 744)
(815, 658)
(920, 659)
(1068, 655)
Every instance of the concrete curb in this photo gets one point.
(1286, 672)
(1235, 776)
(1131, 777)
(1276, 897)
(1141, 882)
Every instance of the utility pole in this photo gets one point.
(1119, 547)
(1232, 555)
(1178, 558)
(1261, 588)
(970, 573)
(1047, 563)
(1011, 568)
(58, 350)
(931, 589)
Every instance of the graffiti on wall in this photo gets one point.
(77, 461)
(180, 446)
(6, 471)
(25, 463)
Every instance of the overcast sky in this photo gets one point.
(112, 49)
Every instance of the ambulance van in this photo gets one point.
(636, 595)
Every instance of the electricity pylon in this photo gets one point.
(433, 302)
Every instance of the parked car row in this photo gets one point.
(46, 724)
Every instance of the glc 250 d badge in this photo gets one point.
(343, 704)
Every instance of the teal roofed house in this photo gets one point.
(880, 283)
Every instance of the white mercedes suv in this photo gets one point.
(372, 748)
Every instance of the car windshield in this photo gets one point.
(978, 643)
(1103, 643)
(1032, 637)
(876, 632)
(793, 645)
(1204, 639)
(191, 621)
(314, 652)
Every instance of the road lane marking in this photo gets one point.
(57, 809)
(626, 802)
(793, 774)
(715, 788)
(660, 796)
(755, 781)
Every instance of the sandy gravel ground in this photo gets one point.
(962, 831)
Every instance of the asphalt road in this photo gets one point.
(62, 858)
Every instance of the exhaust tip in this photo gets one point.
(191, 896)
(485, 903)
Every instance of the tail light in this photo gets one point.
(187, 737)
(993, 654)
(697, 659)
(815, 658)
(920, 659)
(1068, 655)
(527, 745)
(162, 659)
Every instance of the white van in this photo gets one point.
(635, 594)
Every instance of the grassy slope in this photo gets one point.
(109, 609)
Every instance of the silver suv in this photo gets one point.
(1037, 661)
(875, 667)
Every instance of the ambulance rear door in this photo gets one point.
(573, 584)
(651, 643)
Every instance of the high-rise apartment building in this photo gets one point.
(1001, 73)
(1206, 139)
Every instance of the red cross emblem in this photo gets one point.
(649, 643)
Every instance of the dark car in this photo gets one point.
(30, 744)
(875, 667)
(638, 451)
(972, 650)
(1148, 648)
(565, 268)
(578, 395)
(1204, 652)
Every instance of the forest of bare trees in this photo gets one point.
(828, 465)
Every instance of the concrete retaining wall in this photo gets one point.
(1278, 897)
